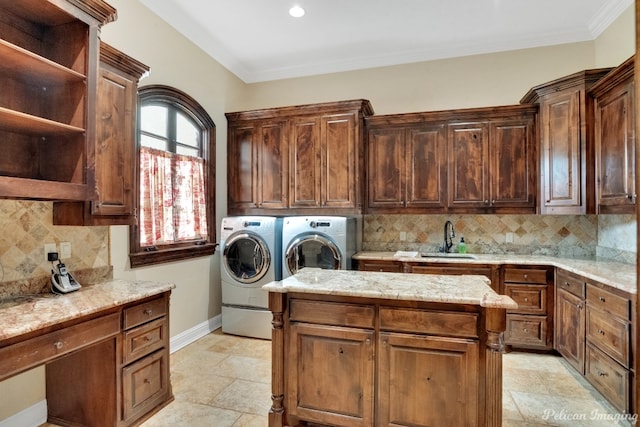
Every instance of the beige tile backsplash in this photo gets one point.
(27, 225)
(565, 235)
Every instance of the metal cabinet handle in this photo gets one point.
(58, 345)
(601, 299)
(148, 312)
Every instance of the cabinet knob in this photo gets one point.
(486, 202)
(58, 345)
(148, 312)
(600, 331)
(147, 381)
(602, 374)
(525, 330)
(601, 299)
(526, 276)
(526, 300)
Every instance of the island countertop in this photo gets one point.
(468, 289)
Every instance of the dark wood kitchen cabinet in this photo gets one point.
(570, 318)
(464, 161)
(566, 142)
(257, 165)
(407, 168)
(115, 146)
(531, 324)
(615, 112)
(48, 74)
(297, 158)
(594, 334)
(492, 164)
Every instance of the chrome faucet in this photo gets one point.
(449, 234)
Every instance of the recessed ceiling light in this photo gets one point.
(296, 11)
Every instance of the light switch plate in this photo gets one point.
(65, 250)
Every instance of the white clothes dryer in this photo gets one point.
(250, 253)
(326, 242)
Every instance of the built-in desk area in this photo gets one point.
(105, 348)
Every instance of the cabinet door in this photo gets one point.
(412, 367)
(425, 159)
(273, 169)
(331, 375)
(339, 182)
(257, 165)
(386, 173)
(512, 164)
(615, 150)
(570, 328)
(242, 167)
(305, 162)
(468, 157)
(115, 147)
(561, 153)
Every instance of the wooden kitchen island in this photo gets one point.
(354, 348)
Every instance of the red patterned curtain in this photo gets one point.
(172, 198)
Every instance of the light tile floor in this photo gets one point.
(223, 380)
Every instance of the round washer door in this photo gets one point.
(246, 257)
(312, 250)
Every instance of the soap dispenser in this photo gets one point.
(462, 246)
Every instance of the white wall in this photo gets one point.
(473, 81)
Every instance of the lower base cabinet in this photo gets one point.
(349, 361)
(593, 333)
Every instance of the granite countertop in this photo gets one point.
(35, 312)
(615, 274)
(475, 290)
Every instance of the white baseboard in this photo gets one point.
(33, 416)
(191, 335)
(36, 414)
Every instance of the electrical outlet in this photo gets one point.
(49, 247)
(65, 250)
(508, 238)
(403, 236)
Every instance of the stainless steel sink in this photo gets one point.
(447, 255)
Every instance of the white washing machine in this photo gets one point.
(326, 242)
(251, 248)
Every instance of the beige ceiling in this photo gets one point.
(258, 41)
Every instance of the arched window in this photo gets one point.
(176, 179)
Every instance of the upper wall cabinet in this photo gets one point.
(566, 142)
(115, 146)
(466, 161)
(615, 112)
(297, 158)
(48, 73)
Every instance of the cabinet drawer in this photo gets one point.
(429, 322)
(609, 302)
(524, 275)
(145, 339)
(531, 299)
(609, 334)
(330, 313)
(384, 266)
(526, 330)
(571, 283)
(145, 384)
(144, 312)
(611, 379)
(35, 351)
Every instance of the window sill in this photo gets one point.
(140, 259)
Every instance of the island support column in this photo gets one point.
(496, 324)
(277, 303)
